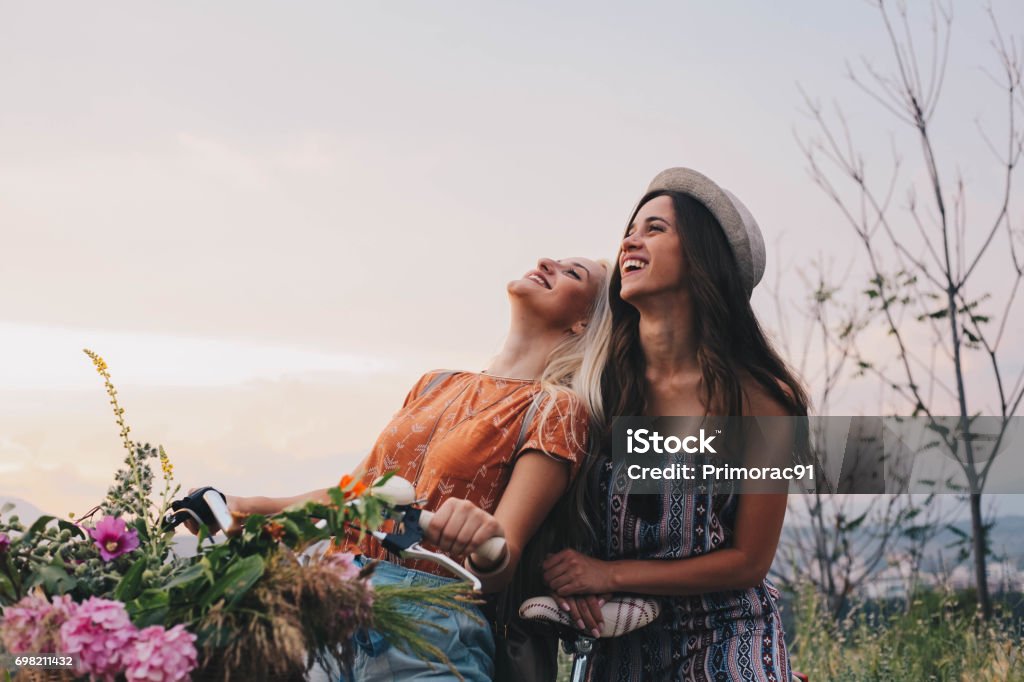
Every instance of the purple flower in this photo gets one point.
(101, 633)
(113, 537)
(5, 542)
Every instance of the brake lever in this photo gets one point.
(406, 544)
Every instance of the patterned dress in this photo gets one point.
(720, 636)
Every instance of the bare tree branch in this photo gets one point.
(930, 285)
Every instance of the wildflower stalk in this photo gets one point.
(142, 504)
(170, 489)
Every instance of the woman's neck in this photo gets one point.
(667, 336)
(524, 355)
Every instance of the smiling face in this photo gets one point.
(559, 292)
(651, 256)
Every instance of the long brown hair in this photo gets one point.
(730, 343)
(730, 339)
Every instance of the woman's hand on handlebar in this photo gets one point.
(459, 527)
(571, 573)
(585, 611)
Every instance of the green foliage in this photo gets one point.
(58, 557)
(133, 483)
(939, 637)
(246, 586)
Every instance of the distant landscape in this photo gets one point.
(1005, 540)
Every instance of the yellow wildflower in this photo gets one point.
(101, 368)
(165, 464)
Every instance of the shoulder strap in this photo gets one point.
(527, 420)
(437, 379)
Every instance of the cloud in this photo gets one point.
(274, 437)
(51, 358)
(13, 456)
(215, 158)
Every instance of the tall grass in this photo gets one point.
(937, 637)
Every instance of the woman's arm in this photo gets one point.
(740, 566)
(745, 563)
(246, 506)
(459, 526)
(241, 507)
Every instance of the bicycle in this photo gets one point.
(621, 616)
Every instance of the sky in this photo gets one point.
(271, 218)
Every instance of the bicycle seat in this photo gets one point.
(621, 614)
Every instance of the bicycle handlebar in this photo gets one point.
(208, 506)
(492, 550)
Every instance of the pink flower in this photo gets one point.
(159, 655)
(5, 542)
(342, 561)
(101, 633)
(113, 538)
(33, 624)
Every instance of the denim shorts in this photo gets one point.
(467, 643)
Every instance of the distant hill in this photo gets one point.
(1005, 539)
(185, 545)
(26, 512)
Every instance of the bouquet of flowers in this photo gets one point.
(109, 588)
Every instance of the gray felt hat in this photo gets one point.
(738, 224)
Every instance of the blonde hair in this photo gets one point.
(595, 348)
(571, 372)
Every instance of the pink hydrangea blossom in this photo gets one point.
(160, 655)
(101, 633)
(343, 562)
(113, 537)
(33, 625)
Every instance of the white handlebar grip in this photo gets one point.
(492, 550)
(395, 491)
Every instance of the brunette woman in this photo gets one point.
(683, 340)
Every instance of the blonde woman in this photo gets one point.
(454, 438)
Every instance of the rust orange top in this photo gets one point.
(457, 440)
